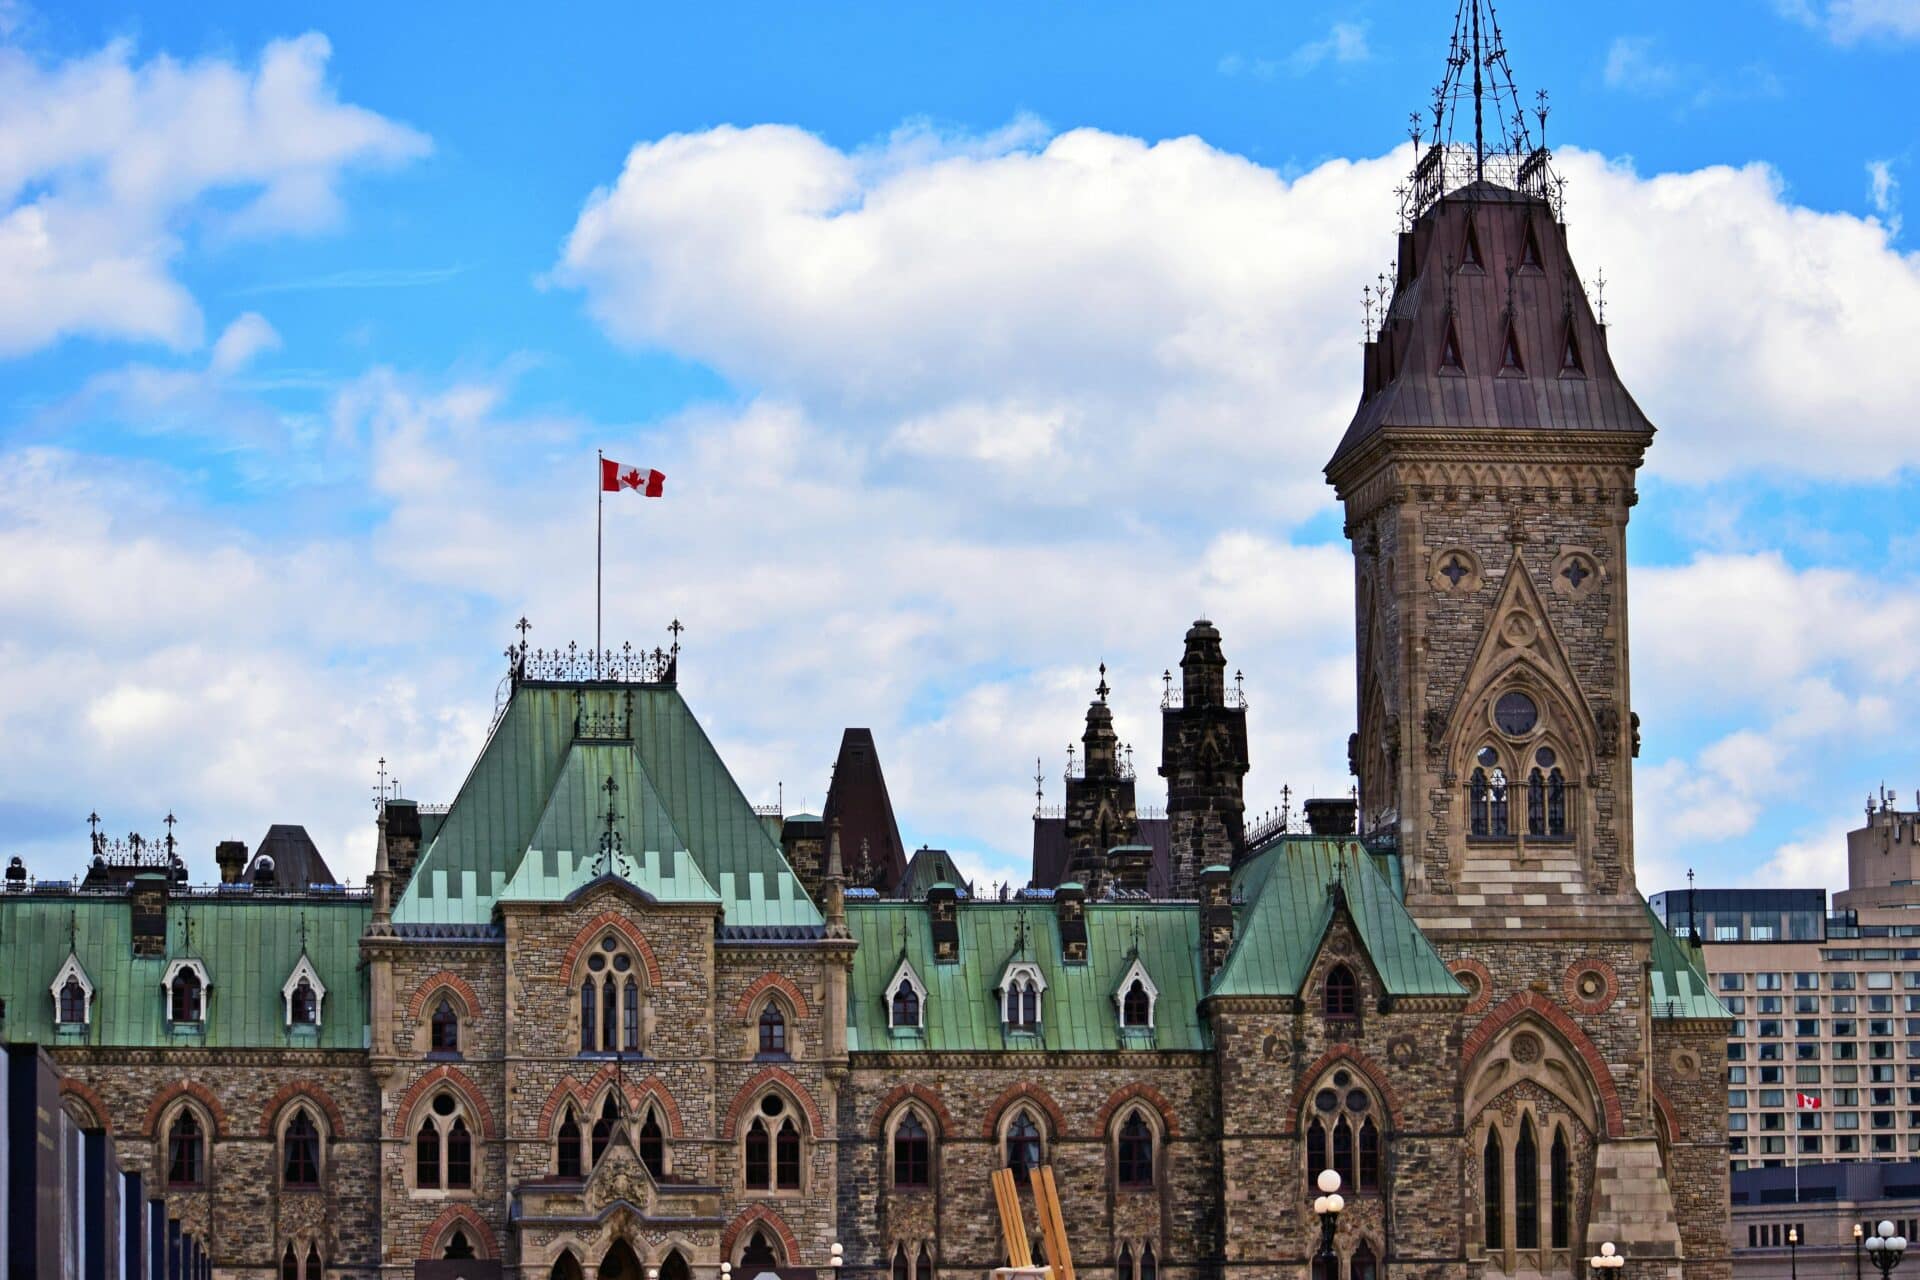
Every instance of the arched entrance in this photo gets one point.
(674, 1267)
(620, 1263)
(567, 1268)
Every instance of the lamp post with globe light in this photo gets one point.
(1608, 1259)
(1885, 1249)
(1328, 1205)
(1859, 1236)
(1793, 1252)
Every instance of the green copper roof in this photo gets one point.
(536, 788)
(1680, 987)
(1287, 907)
(1077, 1009)
(249, 948)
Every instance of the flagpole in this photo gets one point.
(599, 527)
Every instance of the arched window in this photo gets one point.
(1481, 819)
(305, 1004)
(316, 1270)
(458, 1246)
(1149, 1265)
(759, 1252)
(1363, 1266)
(1136, 1009)
(565, 1267)
(1135, 1152)
(1342, 1133)
(906, 1007)
(1556, 803)
(674, 1267)
(73, 1001)
(289, 1265)
(1493, 1189)
(300, 1152)
(653, 1145)
(1369, 1171)
(186, 1155)
(610, 999)
(1123, 1265)
(773, 1146)
(900, 1262)
(1526, 1188)
(183, 998)
(1343, 1152)
(1023, 1005)
(566, 1156)
(443, 1147)
(1560, 1178)
(605, 1128)
(1024, 1152)
(1316, 1152)
(1341, 996)
(445, 1028)
(923, 1269)
(773, 1032)
(1497, 795)
(1536, 803)
(912, 1152)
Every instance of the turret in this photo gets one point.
(1203, 757)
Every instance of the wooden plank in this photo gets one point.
(1013, 1227)
(1046, 1196)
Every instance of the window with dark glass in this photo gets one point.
(426, 1156)
(759, 1155)
(1135, 1152)
(759, 1252)
(184, 1002)
(912, 1152)
(1526, 1188)
(305, 1005)
(1023, 1145)
(604, 1128)
(1369, 1172)
(289, 1265)
(1149, 1265)
(459, 1155)
(1560, 1176)
(923, 1269)
(184, 1151)
(458, 1246)
(1493, 1191)
(906, 1006)
(900, 1262)
(773, 1032)
(1363, 1266)
(786, 1156)
(1136, 1008)
(300, 1163)
(445, 1028)
(653, 1146)
(567, 1147)
(73, 1001)
(315, 1269)
(1316, 1151)
(1341, 998)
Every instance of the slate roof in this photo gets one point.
(1077, 1008)
(1406, 385)
(536, 789)
(1287, 905)
(297, 863)
(249, 948)
(1680, 986)
(927, 868)
(858, 797)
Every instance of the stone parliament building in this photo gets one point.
(599, 1016)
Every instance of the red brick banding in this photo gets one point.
(584, 1094)
(759, 1215)
(433, 1239)
(1532, 1003)
(1348, 1056)
(1609, 979)
(71, 1088)
(927, 1098)
(457, 1079)
(620, 925)
(1145, 1093)
(772, 982)
(186, 1088)
(1027, 1092)
(270, 1114)
(450, 982)
(773, 1075)
(1484, 996)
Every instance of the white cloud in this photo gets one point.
(1632, 65)
(1850, 21)
(1883, 189)
(241, 341)
(1345, 43)
(106, 165)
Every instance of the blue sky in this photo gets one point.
(979, 346)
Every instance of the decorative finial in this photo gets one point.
(1166, 688)
(676, 628)
(609, 838)
(523, 626)
(168, 822)
(1039, 787)
(1239, 687)
(1101, 688)
(380, 784)
(1600, 296)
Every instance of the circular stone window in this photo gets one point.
(1468, 979)
(1488, 757)
(1515, 714)
(1545, 758)
(1590, 984)
(1454, 571)
(771, 1105)
(1326, 1100)
(1575, 575)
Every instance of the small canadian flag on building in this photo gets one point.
(615, 477)
(1807, 1101)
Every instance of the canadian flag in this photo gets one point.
(1806, 1101)
(615, 477)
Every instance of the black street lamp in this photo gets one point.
(1793, 1256)
(1885, 1249)
(1858, 1236)
(1328, 1205)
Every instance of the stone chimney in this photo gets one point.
(403, 842)
(1070, 905)
(147, 903)
(943, 914)
(1331, 816)
(1216, 917)
(231, 855)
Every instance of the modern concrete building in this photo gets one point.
(1800, 1222)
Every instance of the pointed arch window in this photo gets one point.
(1343, 1152)
(186, 993)
(1560, 1189)
(610, 998)
(186, 1150)
(675, 1267)
(1316, 1150)
(289, 1265)
(566, 1154)
(1136, 1008)
(1149, 1265)
(759, 1252)
(1023, 1145)
(1571, 365)
(1020, 990)
(1364, 1265)
(1470, 259)
(1123, 1265)
(1340, 997)
(316, 1270)
(1556, 803)
(72, 994)
(900, 1271)
(786, 1156)
(1510, 361)
(773, 1031)
(1134, 1152)
(1450, 350)
(906, 1007)
(304, 994)
(73, 1001)
(605, 1128)
(1368, 1174)
(1526, 1188)
(923, 1269)
(773, 1146)
(906, 999)
(912, 1153)
(443, 1146)
(444, 1030)
(459, 1155)
(653, 1145)
(1493, 1191)
(300, 1152)
(459, 1248)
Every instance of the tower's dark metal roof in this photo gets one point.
(858, 798)
(297, 863)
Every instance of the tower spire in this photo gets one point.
(1478, 77)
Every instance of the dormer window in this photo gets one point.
(1020, 990)
(1341, 997)
(186, 987)
(906, 999)
(72, 994)
(303, 994)
(1136, 997)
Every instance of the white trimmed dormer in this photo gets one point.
(72, 972)
(1127, 1000)
(1021, 986)
(906, 999)
(188, 1006)
(312, 1001)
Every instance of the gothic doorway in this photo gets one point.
(675, 1267)
(567, 1268)
(620, 1263)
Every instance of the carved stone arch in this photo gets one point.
(447, 983)
(773, 1078)
(747, 1007)
(453, 1079)
(320, 1102)
(1040, 1101)
(1559, 1058)
(930, 1107)
(455, 1217)
(614, 922)
(1343, 1055)
(85, 1106)
(759, 1215)
(1532, 651)
(1144, 1096)
(209, 1106)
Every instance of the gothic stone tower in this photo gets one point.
(1101, 813)
(1487, 477)
(1203, 757)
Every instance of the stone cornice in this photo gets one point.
(200, 1056)
(1592, 465)
(1027, 1061)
